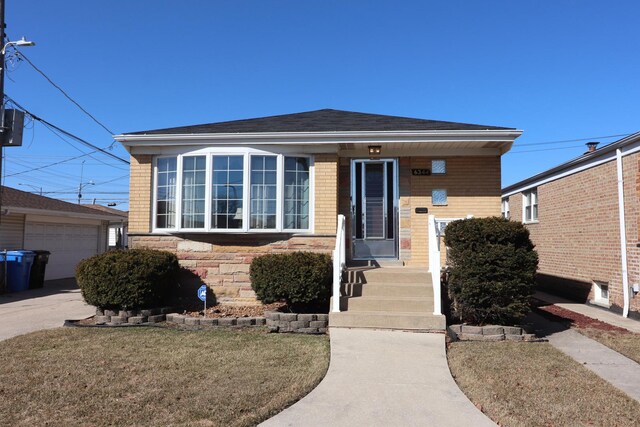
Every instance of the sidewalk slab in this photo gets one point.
(384, 378)
(618, 370)
(598, 313)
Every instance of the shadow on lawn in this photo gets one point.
(543, 321)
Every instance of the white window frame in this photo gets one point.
(527, 197)
(246, 198)
(598, 287)
(506, 213)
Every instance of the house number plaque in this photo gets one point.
(421, 172)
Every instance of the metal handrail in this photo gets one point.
(339, 262)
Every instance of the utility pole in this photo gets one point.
(2, 129)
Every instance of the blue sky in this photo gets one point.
(560, 70)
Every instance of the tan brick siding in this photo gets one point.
(140, 193)
(326, 193)
(472, 184)
(222, 261)
(578, 235)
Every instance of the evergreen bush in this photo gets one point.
(302, 279)
(493, 266)
(127, 279)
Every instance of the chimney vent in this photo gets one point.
(591, 146)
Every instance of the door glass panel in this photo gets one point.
(374, 200)
(358, 202)
(390, 201)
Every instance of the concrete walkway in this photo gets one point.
(618, 370)
(46, 308)
(384, 378)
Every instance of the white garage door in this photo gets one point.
(68, 244)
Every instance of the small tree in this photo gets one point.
(127, 279)
(493, 266)
(302, 279)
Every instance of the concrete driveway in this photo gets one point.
(46, 308)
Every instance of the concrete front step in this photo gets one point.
(382, 320)
(383, 290)
(399, 275)
(387, 304)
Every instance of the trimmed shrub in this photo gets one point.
(127, 279)
(493, 267)
(302, 279)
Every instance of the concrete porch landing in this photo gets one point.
(387, 298)
(384, 378)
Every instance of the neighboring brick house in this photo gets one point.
(573, 214)
(221, 194)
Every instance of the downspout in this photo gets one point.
(623, 235)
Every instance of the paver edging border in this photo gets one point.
(463, 332)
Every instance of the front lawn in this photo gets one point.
(533, 384)
(155, 376)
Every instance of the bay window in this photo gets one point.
(232, 192)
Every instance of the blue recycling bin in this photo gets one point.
(19, 270)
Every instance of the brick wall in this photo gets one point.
(140, 193)
(222, 260)
(578, 236)
(326, 193)
(473, 188)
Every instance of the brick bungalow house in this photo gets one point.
(583, 216)
(221, 194)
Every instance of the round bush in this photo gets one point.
(127, 279)
(302, 279)
(493, 267)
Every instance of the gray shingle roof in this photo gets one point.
(326, 120)
(12, 198)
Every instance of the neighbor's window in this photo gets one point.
(194, 172)
(530, 206)
(439, 197)
(166, 192)
(505, 208)
(296, 193)
(227, 191)
(438, 167)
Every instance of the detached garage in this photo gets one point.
(70, 232)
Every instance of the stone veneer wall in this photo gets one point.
(222, 260)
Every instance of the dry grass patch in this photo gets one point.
(155, 376)
(626, 343)
(526, 384)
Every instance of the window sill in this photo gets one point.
(531, 222)
(602, 304)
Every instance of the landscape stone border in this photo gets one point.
(131, 317)
(489, 333)
(276, 322)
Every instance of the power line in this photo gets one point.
(65, 93)
(545, 149)
(45, 166)
(572, 140)
(69, 134)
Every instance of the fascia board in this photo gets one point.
(47, 212)
(304, 138)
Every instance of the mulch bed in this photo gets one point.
(230, 310)
(555, 313)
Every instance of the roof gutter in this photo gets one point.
(302, 138)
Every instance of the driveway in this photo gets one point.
(46, 308)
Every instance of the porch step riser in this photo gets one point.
(378, 290)
(389, 276)
(422, 305)
(381, 321)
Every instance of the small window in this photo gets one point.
(166, 175)
(263, 192)
(438, 167)
(601, 292)
(505, 208)
(530, 205)
(194, 171)
(439, 197)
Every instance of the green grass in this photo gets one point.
(155, 376)
(533, 384)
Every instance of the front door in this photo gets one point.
(373, 209)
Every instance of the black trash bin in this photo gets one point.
(38, 269)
